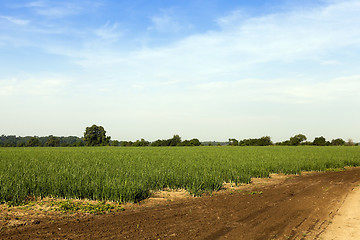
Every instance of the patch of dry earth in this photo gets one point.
(346, 223)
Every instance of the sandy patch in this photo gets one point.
(346, 223)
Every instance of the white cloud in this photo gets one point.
(33, 87)
(273, 68)
(16, 21)
(35, 4)
(290, 91)
(167, 22)
(109, 32)
(234, 18)
(53, 9)
(284, 37)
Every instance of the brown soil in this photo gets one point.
(295, 207)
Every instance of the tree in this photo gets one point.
(126, 144)
(158, 143)
(195, 142)
(33, 142)
(115, 143)
(141, 143)
(264, 141)
(174, 141)
(21, 144)
(79, 143)
(297, 139)
(96, 136)
(338, 142)
(233, 142)
(52, 142)
(192, 142)
(319, 141)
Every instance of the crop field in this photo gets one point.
(131, 174)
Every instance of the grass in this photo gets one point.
(69, 206)
(131, 174)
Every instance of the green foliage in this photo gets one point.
(21, 144)
(174, 141)
(141, 143)
(297, 139)
(192, 142)
(233, 142)
(131, 174)
(263, 141)
(79, 143)
(338, 142)
(96, 136)
(93, 208)
(126, 144)
(52, 142)
(159, 143)
(33, 142)
(115, 143)
(319, 141)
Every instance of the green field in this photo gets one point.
(130, 174)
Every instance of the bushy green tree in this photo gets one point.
(141, 143)
(297, 139)
(33, 142)
(338, 142)
(52, 142)
(263, 141)
(319, 141)
(233, 142)
(158, 143)
(192, 142)
(21, 144)
(195, 142)
(96, 136)
(174, 141)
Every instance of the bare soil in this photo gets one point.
(346, 223)
(281, 207)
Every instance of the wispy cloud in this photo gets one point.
(248, 68)
(15, 87)
(109, 32)
(53, 9)
(34, 4)
(285, 37)
(231, 20)
(16, 21)
(165, 23)
(291, 91)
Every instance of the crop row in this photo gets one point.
(130, 174)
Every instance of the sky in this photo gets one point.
(206, 69)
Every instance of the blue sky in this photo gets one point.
(207, 69)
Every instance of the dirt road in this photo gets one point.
(298, 207)
(346, 223)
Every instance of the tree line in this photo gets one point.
(299, 139)
(35, 141)
(96, 136)
(93, 136)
